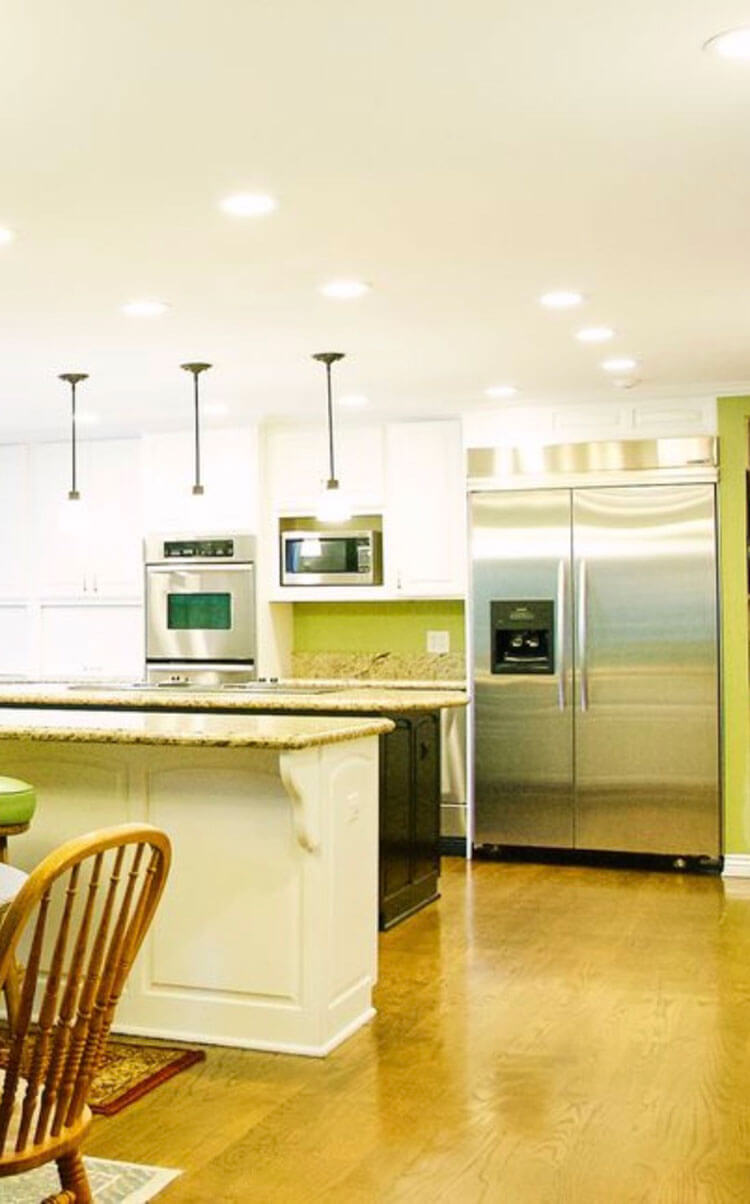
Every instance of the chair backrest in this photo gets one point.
(79, 920)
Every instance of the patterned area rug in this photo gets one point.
(111, 1183)
(130, 1069)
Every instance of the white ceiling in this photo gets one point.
(461, 157)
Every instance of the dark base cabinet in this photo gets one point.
(409, 816)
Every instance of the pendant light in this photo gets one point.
(73, 379)
(196, 370)
(333, 506)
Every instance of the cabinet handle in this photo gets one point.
(423, 750)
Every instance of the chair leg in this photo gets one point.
(73, 1177)
(61, 1197)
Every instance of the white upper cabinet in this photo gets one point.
(411, 473)
(15, 532)
(90, 547)
(229, 475)
(424, 536)
(297, 461)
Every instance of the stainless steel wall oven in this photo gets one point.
(200, 607)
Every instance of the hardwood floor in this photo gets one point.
(544, 1035)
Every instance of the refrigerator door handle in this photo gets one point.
(582, 636)
(560, 635)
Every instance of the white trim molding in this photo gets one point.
(736, 865)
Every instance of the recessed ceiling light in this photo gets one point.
(6, 235)
(355, 401)
(622, 364)
(595, 334)
(732, 44)
(501, 391)
(345, 290)
(249, 204)
(145, 309)
(561, 299)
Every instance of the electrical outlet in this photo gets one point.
(438, 641)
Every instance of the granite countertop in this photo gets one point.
(378, 698)
(282, 732)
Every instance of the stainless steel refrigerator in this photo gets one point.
(595, 647)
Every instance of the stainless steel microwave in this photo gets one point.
(331, 558)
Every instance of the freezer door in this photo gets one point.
(521, 618)
(646, 678)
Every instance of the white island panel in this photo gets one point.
(266, 936)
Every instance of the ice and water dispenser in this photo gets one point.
(522, 636)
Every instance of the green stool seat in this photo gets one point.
(17, 802)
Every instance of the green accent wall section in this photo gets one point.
(733, 414)
(398, 627)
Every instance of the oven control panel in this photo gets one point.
(198, 549)
(170, 548)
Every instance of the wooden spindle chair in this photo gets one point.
(82, 915)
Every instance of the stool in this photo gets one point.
(17, 806)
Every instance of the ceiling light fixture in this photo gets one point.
(333, 506)
(145, 308)
(196, 370)
(73, 378)
(731, 44)
(561, 299)
(595, 334)
(345, 290)
(501, 391)
(621, 364)
(249, 204)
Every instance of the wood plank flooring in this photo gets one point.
(545, 1035)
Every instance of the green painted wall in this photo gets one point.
(734, 413)
(399, 627)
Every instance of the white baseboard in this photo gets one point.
(736, 865)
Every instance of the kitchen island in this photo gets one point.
(266, 936)
(409, 866)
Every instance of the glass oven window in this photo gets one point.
(322, 555)
(199, 612)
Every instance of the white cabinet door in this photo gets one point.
(15, 525)
(60, 526)
(91, 546)
(16, 640)
(424, 541)
(91, 639)
(297, 466)
(229, 474)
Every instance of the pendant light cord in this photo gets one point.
(197, 487)
(72, 379)
(332, 474)
(73, 483)
(195, 369)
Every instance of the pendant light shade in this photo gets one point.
(333, 506)
(73, 378)
(196, 370)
